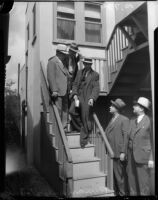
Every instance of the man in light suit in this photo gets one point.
(57, 75)
(139, 150)
(116, 133)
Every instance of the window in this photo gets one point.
(81, 22)
(65, 20)
(92, 23)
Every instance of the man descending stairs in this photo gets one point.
(88, 180)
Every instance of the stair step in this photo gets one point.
(93, 192)
(82, 168)
(89, 181)
(82, 160)
(73, 139)
(78, 152)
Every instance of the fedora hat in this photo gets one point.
(74, 47)
(118, 103)
(144, 102)
(87, 60)
(62, 48)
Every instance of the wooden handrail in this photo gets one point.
(67, 150)
(111, 37)
(103, 135)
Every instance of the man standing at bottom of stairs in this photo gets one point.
(116, 133)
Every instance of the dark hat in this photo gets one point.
(74, 47)
(144, 102)
(87, 60)
(118, 103)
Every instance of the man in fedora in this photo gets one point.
(139, 149)
(116, 133)
(57, 75)
(85, 92)
(74, 57)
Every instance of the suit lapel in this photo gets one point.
(140, 124)
(111, 125)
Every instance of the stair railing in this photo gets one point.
(103, 150)
(57, 136)
(117, 49)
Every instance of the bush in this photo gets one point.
(12, 114)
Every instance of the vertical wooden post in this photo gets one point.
(18, 78)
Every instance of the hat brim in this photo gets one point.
(113, 103)
(136, 103)
(64, 52)
(76, 51)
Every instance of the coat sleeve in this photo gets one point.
(96, 88)
(51, 76)
(75, 85)
(125, 133)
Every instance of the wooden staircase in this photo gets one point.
(88, 180)
(71, 170)
(128, 55)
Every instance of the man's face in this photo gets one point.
(112, 109)
(137, 109)
(72, 52)
(87, 65)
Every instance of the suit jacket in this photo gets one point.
(140, 139)
(85, 90)
(89, 89)
(57, 76)
(116, 133)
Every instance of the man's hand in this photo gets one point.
(90, 102)
(55, 94)
(151, 164)
(75, 97)
(122, 156)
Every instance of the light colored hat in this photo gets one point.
(74, 47)
(62, 48)
(118, 103)
(142, 101)
(87, 60)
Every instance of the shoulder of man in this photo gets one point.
(52, 58)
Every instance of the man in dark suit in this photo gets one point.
(85, 92)
(116, 133)
(140, 150)
(57, 75)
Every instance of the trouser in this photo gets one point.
(62, 105)
(138, 176)
(80, 121)
(119, 177)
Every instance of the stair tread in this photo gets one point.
(72, 133)
(89, 176)
(83, 159)
(92, 192)
(78, 146)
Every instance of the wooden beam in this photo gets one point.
(127, 36)
(140, 26)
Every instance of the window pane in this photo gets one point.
(65, 29)
(92, 11)
(66, 7)
(93, 32)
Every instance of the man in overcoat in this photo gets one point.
(140, 157)
(85, 90)
(57, 75)
(116, 132)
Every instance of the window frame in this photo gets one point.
(76, 19)
(92, 22)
